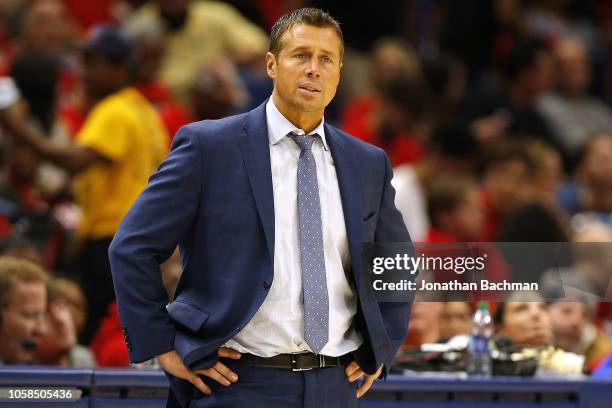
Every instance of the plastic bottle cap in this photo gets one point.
(483, 306)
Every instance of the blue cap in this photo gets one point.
(109, 42)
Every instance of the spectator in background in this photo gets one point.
(592, 258)
(572, 305)
(111, 172)
(593, 263)
(149, 50)
(31, 186)
(455, 319)
(455, 210)
(75, 301)
(398, 122)
(24, 205)
(217, 91)
(392, 114)
(195, 31)
(398, 58)
(574, 331)
(424, 324)
(447, 80)
(572, 313)
(58, 345)
(44, 27)
(572, 114)
(591, 192)
(505, 186)
(547, 172)
(526, 74)
(36, 75)
(538, 218)
(524, 319)
(451, 149)
(23, 303)
(555, 19)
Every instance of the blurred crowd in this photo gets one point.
(495, 114)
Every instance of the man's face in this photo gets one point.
(467, 218)
(44, 28)
(456, 319)
(527, 324)
(597, 165)
(568, 321)
(574, 67)
(307, 70)
(506, 183)
(100, 77)
(23, 322)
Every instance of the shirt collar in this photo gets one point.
(279, 126)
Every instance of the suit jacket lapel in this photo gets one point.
(349, 182)
(254, 146)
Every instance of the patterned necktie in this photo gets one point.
(314, 282)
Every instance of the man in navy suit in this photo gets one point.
(270, 210)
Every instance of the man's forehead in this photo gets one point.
(23, 289)
(308, 36)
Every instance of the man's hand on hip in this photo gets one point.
(353, 373)
(172, 363)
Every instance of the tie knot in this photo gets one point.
(304, 141)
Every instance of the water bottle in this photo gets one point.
(479, 359)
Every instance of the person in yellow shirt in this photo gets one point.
(119, 146)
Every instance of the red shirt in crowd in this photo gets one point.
(108, 344)
(358, 119)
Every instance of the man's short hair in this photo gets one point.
(445, 194)
(13, 270)
(308, 16)
(522, 57)
(509, 151)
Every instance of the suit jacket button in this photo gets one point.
(266, 285)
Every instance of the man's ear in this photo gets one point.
(271, 64)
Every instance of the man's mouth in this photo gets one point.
(310, 88)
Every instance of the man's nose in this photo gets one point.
(40, 327)
(313, 69)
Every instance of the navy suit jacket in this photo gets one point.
(213, 197)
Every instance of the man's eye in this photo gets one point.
(327, 59)
(300, 56)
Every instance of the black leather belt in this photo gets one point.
(294, 362)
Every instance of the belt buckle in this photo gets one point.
(294, 366)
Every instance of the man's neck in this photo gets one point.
(307, 121)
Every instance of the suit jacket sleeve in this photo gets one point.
(391, 228)
(147, 236)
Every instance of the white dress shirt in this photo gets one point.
(278, 326)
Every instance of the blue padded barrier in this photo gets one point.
(109, 388)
